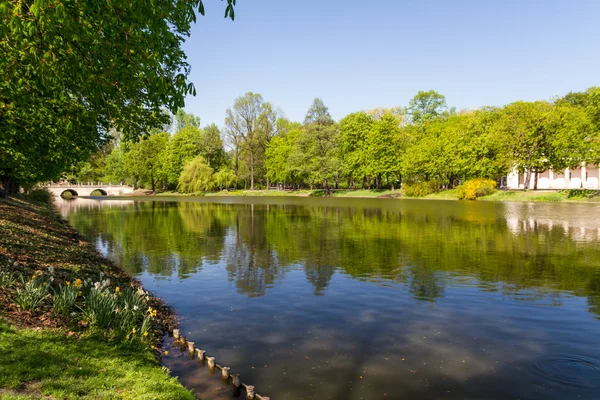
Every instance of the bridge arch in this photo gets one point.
(71, 193)
(98, 190)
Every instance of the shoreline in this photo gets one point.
(539, 196)
(35, 240)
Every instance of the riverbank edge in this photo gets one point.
(28, 230)
(542, 196)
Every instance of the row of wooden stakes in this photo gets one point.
(210, 362)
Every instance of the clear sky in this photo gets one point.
(358, 55)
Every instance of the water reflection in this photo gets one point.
(344, 298)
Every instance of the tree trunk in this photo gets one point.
(364, 182)
(327, 189)
(527, 179)
(535, 180)
(251, 171)
(267, 182)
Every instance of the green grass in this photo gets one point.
(451, 194)
(49, 363)
(510, 195)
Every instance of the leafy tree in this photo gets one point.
(196, 176)
(212, 146)
(541, 136)
(224, 178)
(383, 149)
(183, 146)
(250, 124)
(181, 120)
(316, 147)
(144, 162)
(277, 156)
(73, 70)
(354, 129)
(426, 106)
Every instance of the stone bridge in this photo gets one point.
(86, 190)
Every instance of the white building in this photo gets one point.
(584, 177)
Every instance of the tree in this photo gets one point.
(541, 136)
(316, 146)
(144, 162)
(277, 156)
(181, 120)
(383, 149)
(73, 70)
(224, 178)
(250, 124)
(426, 106)
(196, 177)
(354, 129)
(183, 146)
(212, 146)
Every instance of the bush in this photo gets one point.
(579, 193)
(474, 188)
(41, 195)
(29, 295)
(420, 189)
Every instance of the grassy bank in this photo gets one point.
(585, 196)
(72, 324)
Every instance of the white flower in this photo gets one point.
(97, 285)
(135, 308)
(51, 269)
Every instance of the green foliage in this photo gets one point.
(474, 188)
(196, 176)
(145, 161)
(71, 71)
(420, 189)
(41, 195)
(580, 193)
(427, 106)
(224, 178)
(64, 300)
(31, 293)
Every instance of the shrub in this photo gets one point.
(65, 298)
(41, 195)
(474, 188)
(420, 189)
(224, 178)
(29, 295)
(579, 193)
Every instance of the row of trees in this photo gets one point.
(427, 141)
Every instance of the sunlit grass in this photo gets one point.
(49, 363)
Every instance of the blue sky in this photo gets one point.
(358, 55)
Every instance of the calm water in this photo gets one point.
(372, 299)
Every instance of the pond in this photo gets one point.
(316, 298)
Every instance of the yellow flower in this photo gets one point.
(78, 282)
(38, 272)
(68, 283)
(145, 334)
(166, 352)
(117, 289)
(133, 330)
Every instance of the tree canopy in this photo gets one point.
(73, 70)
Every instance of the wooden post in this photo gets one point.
(235, 379)
(225, 372)
(176, 334)
(182, 343)
(201, 354)
(210, 361)
(250, 392)
(190, 347)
